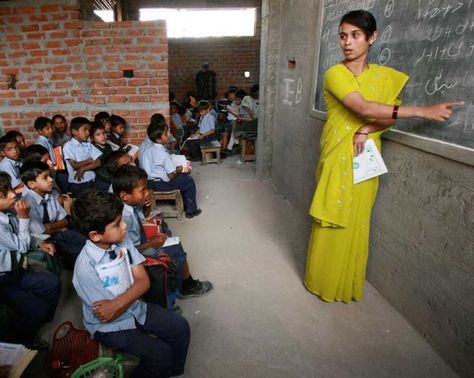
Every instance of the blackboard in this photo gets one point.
(430, 40)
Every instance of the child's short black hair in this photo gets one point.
(156, 130)
(203, 105)
(157, 118)
(15, 133)
(255, 88)
(93, 211)
(116, 120)
(42, 122)
(101, 117)
(31, 169)
(5, 183)
(125, 179)
(58, 116)
(7, 138)
(240, 93)
(110, 161)
(34, 151)
(77, 122)
(96, 125)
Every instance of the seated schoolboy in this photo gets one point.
(205, 132)
(117, 130)
(32, 295)
(19, 138)
(44, 128)
(159, 337)
(81, 157)
(99, 141)
(104, 119)
(130, 183)
(11, 161)
(47, 216)
(163, 174)
(60, 136)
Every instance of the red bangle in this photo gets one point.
(395, 112)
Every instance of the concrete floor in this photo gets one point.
(259, 321)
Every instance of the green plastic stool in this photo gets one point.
(112, 368)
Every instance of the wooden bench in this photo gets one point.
(172, 195)
(211, 152)
(248, 150)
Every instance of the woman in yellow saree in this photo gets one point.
(362, 102)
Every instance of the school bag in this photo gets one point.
(163, 280)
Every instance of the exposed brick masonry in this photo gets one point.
(68, 66)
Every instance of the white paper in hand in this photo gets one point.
(368, 164)
(116, 275)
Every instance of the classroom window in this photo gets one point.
(105, 15)
(199, 23)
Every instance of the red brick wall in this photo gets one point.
(64, 65)
(229, 57)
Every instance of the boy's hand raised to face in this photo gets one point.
(22, 209)
(158, 240)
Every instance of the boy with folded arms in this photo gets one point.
(159, 337)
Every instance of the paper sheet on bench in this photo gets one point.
(368, 164)
(171, 240)
(116, 275)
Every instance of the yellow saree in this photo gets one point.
(339, 242)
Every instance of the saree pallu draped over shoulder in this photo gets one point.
(339, 242)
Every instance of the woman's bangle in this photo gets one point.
(362, 133)
(395, 112)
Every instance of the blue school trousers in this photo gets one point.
(161, 356)
(33, 297)
(185, 183)
(78, 189)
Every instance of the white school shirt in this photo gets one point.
(79, 151)
(55, 211)
(12, 167)
(156, 162)
(207, 123)
(14, 236)
(48, 144)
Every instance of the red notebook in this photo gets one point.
(151, 230)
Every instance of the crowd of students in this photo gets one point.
(82, 213)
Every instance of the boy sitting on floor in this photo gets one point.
(11, 161)
(81, 157)
(130, 183)
(159, 337)
(46, 214)
(163, 174)
(32, 295)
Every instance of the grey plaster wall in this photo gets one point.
(422, 242)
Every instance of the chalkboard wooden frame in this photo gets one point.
(434, 146)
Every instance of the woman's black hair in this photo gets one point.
(363, 20)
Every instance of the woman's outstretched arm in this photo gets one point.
(369, 109)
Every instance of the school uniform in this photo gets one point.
(79, 151)
(12, 167)
(47, 209)
(32, 295)
(114, 140)
(206, 124)
(161, 356)
(156, 162)
(48, 144)
(102, 177)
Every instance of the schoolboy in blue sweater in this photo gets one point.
(159, 337)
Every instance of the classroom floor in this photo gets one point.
(259, 321)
